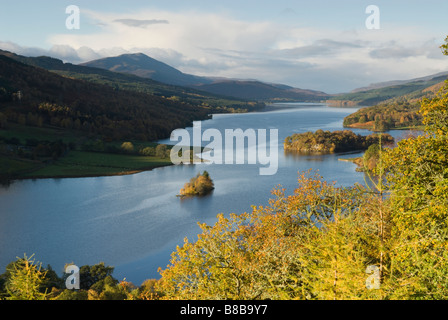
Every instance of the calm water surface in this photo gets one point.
(134, 222)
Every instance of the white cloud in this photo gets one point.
(65, 53)
(187, 33)
(87, 54)
(25, 51)
(213, 44)
(140, 23)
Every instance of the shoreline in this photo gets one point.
(274, 106)
(369, 126)
(92, 175)
(79, 164)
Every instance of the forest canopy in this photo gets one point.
(386, 116)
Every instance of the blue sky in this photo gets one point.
(321, 45)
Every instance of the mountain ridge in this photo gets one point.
(410, 90)
(128, 81)
(391, 83)
(141, 68)
(145, 66)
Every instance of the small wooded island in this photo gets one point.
(330, 142)
(200, 185)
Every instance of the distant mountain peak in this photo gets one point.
(139, 56)
(144, 66)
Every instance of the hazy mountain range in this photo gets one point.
(410, 90)
(401, 82)
(143, 66)
(127, 81)
(162, 79)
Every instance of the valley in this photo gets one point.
(97, 106)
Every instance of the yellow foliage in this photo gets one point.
(294, 248)
(198, 186)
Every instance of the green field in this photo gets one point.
(10, 166)
(23, 133)
(76, 163)
(82, 164)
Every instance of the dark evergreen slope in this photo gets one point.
(46, 98)
(132, 82)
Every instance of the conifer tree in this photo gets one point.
(25, 281)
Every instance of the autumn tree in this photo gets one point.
(418, 172)
(313, 244)
(127, 147)
(444, 47)
(200, 185)
(161, 151)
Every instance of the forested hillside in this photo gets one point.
(407, 91)
(126, 81)
(400, 112)
(37, 97)
(50, 125)
(386, 116)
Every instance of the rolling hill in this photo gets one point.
(256, 90)
(396, 106)
(143, 66)
(380, 85)
(147, 67)
(127, 81)
(410, 90)
(37, 97)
